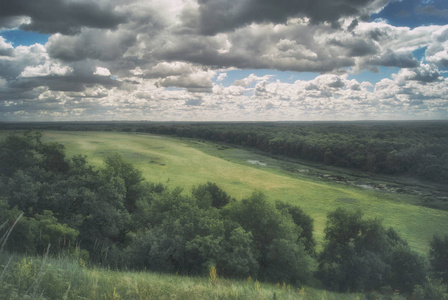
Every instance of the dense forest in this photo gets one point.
(110, 216)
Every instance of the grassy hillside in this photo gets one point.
(187, 163)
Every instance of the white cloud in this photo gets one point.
(102, 71)
(46, 69)
(169, 66)
(246, 82)
(221, 76)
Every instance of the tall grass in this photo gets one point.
(27, 277)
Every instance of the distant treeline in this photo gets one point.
(112, 217)
(417, 149)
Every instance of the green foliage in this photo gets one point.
(35, 235)
(117, 167)
(408, 269)
(304, 221)
(431, 290)
(287, 261)
(50, 232)
(238, 259)
(210, 194)
(22, 191)
(361, 255)
(182, 236)
(63, 197)
(20, 152)
(275, 234)
(438, 257)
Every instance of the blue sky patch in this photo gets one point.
(19, 37)
(414, 13)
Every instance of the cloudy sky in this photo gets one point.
(223, 60)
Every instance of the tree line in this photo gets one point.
(50, 203)
(418, 149)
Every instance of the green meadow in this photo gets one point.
(188, 163)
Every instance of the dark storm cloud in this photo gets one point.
(67, 17)
(91, 44)
(223, 15)
(10, 22)
(17, 93)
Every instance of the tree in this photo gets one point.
(238, 259)
(210, 194)
(438, 257)
(361, 255)
(116, 166)
(20, 152)
(181, 236)
(22, 190)
(275, 235)
(302, 220)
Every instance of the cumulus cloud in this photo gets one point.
(170, 59)
(246, 82)
(165, 69)
(46, 69)
(221, 77)
(6, 49)
(91, 44)
(194, 81)
(389, 58)
(426, 73)
(221, 15)
(437, 52)
(29, 71)
(64, 16)
(102, 71)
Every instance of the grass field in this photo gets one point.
(187, 163)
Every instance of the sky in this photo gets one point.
(223, 60)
